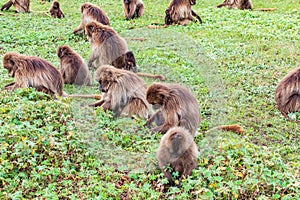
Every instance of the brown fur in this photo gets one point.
(234, 128)
(177, 149)
(55, 10)
(20, 5)
(133, 8)
(72, 67)
(180, 12)
(123, 92)
(179, 107)
(30, 71)
(240, 4)
(287, 94)
(91, 12)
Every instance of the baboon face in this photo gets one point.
(192, 2)
(85, 6)
(90, 28)
(105, 78)
(168, 19)
(63, 51)
(154, 97)
(130, 63)
(55, 5)
(10, 65)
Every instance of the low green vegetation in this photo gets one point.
(61, 148)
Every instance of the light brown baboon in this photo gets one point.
(180, 12)
(91, 12)
(178, 106)
(240, 4)
(30, 71)
(177, 149)
(72, 67)
(20, 5)
(123, 92)
(133, 8)
(55, 10)
(287, 95)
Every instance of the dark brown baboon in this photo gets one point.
(91, 12)
(240, 4)
(133, 8)
(123, 92)
(178, 105)
(20, 5)
(30, 71)
(55, 10)
(180, 12)
(72, 67)
(177, 149)
(287, 95)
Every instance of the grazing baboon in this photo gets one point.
(72, 67)
(240, 4)
(20, 5)
(30, 71)
(55, 10)
(133, 8)
(287, 95)
(177, 149)
(180, 12)
(91, 12)
(123, 92)
(179, 107)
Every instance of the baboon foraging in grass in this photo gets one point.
(180, 12)
(177, 149)
(20, 5)
(240, 4)
(55, 10)
(30, 71)
(72, 67)
(287, 94)
(123, 92)
(91, 12)
(133, 8)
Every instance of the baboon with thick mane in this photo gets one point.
(133, 8)
(180, 12)
(177, 149)
(123, 92)
(287, 94)
(72, 67)
(91, 12)
(240, 4)
(55, 10)
(20, 5)
(30, 71)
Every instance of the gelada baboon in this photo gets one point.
(30, 71)
(123, 92)
(20, 5)
(72, 67)
(133, 8)
(55, 10)
(177, 149)
(89, 13)
(287, 95)
(240, 4)
(180, 12)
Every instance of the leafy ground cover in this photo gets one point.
(232, 63)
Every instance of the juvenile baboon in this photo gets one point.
(287, 95)
(20, 5)
(133, 8)
(30, 71)
(177, 105)
(177, 149)
(180, 12)
(240, 4)
(55, 10)
(123, 92)
(72, 67)
(91, 12)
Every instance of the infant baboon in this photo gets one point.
(20, 5)
(133, 8)
(55, 10)
(72, 67)
(240, 4)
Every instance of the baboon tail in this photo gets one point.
(266, 9)
(155, 76)
(234, 128)
(86, 96)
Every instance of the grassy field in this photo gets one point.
(232, 62)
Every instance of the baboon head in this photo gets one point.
(130, 63)
(192, 2)
(86, 6)
(168, 19)
(104, 31)
(63, 51)
(157, 94)
(9, 63)
(55, 5)
(105, 76)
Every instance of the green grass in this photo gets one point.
(232, 63)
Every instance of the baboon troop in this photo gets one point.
(133, 8)
(20, 5)
(240, 4)
(55, 10)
